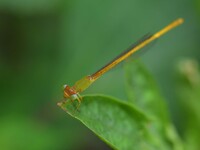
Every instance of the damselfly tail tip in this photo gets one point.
(180, 20)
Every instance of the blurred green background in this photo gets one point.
(47, 43)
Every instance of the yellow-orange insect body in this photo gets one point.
(82, 84)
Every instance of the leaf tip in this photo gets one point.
(59, 104)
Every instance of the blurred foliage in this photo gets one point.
(188, 90)
(143, 92)
(47, 43)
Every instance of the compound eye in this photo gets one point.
(64, 86)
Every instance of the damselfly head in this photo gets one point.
(68, 91)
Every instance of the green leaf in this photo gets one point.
(119, 124)
(188, 90)
(143, 92)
